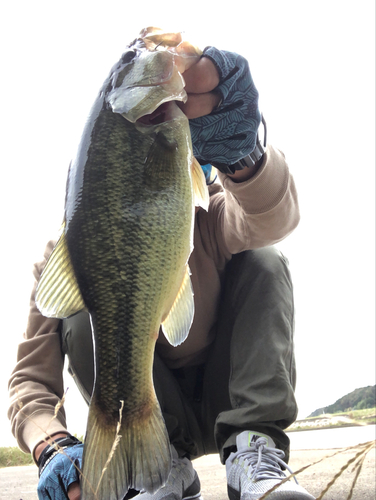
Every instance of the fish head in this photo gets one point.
(150, 74)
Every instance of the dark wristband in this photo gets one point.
(51, 450)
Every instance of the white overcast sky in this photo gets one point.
(313, 63)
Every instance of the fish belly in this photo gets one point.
(129, 238)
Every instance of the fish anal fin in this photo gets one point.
(200, 188)
(178, 322)
(58, 294)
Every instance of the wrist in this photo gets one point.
(247, 172)
(54, 448)
(41, 446)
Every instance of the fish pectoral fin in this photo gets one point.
(200, 188)
(178, 322)
(58, 295)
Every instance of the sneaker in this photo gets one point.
(182, 483)
(256, 467)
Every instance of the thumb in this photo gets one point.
(74, 491)
(199, 104)
(202, 77)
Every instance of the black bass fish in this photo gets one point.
(123, 256)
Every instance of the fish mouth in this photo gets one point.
(166, 112)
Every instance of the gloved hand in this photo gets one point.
(59, 473)
(228, 133)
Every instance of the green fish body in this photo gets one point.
(123, 255)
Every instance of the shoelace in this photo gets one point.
(265, 462)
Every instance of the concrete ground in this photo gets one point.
(19, 483)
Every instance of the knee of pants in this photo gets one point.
(262, 260)
(248, 269)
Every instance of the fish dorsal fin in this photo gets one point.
(177, 324)
(58, 295)
(200, 188)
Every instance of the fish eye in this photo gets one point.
(128, 56)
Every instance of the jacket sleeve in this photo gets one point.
(252, 214)
(36, 385)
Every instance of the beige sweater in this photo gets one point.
(252, 214)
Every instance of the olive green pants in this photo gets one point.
(248, 380)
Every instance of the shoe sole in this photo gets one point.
(194, 491)
(232, 493)
(235, 495)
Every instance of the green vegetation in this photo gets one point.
(367, 416)
(333, 420)
(13, 456)
(359, 399)
(10, 457)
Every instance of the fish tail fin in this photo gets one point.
(131, 453)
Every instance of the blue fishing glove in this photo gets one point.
(229, 133)
(57, 470)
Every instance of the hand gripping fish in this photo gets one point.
(123, 256)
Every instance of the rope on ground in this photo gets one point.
(365, 448)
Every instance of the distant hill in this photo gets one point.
(356, 400)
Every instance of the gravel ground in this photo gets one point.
(19, 483)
